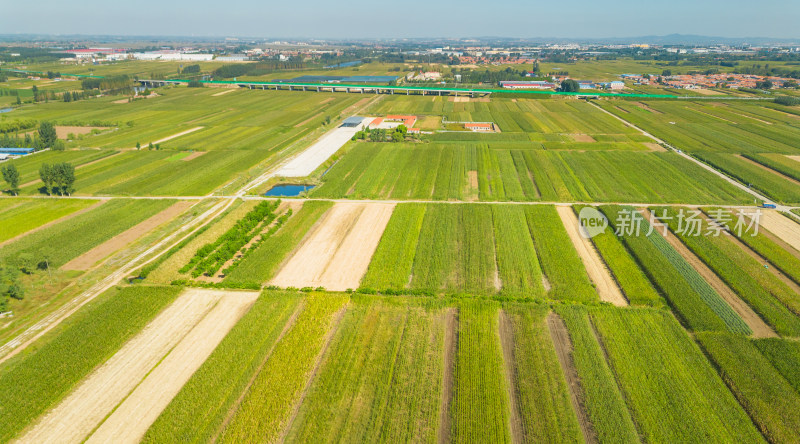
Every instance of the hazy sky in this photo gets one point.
(409, 18)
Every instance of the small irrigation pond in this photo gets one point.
(287, 190)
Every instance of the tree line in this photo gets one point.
(58, 178)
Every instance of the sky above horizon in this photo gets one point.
(412, 18)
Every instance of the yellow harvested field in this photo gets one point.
(336, 253)
(141, 408)
(120, 241)
(230, 90)
(582, 138)
(781, 226)
(63, 131)
(606, 286)
(72, 420)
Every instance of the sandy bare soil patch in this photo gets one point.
(141, 408)
(328, 100)
(450, 350)
(606, 286)
(654, 146)
(782, 226)
(335, 255)
(793, 157)
(457, 99)
(91, 257)
(563, 346)
(63, 131)
(509, 364)
(766, 168)
(193, 156)
(707, 92)
(307, 120)
(759, 327)
(309, 160)
(121, 101)
(473, 179)
(582, 138)
(229, 90)
(86, 407)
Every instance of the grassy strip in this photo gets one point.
(777, 162)
(393, 259)
(761, 289)
(559, 260)
(788, 263)
(382, 377)
(768, 398)
(671, 275)
(479, 411)
(770, 184)
(63, 242)
(544, 403)
(603, 400)
(266, 406)
(263, 262)
(35, 213)
(199, 409)
(517, 262)
(36, 380)
(682, 399)
(632, 280)
(784, 355)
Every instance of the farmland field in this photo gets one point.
(435, 286)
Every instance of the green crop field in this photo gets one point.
(474, 313)
(64, 241)
(33, 382)
(20, 216)
(518, 172)
(478, 249)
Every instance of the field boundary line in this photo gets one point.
(448, 376)
(562, 343)
(34, 332)
(333, 329)
(53, 222)
(235, 406)
(505, 330)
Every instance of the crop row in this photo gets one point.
(760, 178)
(765, 394)
(381, 379)
(681, 399)
(20, 216)
(677, 281)
(33, 382)
(756, 285)
(62, 242)
(198, 411)
(266, 406)
(511, 172)
(210, 257)
(263, 261)
(778, 162)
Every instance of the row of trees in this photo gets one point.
(120, 84)
(58, 178)
(380, 134)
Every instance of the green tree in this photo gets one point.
(666, 73)
(138, 146)
(64, 177)
(47, 134)
(398, 136)
(569, 85)
(11, 176)
(150, 147)
(47, 174)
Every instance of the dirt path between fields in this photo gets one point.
(120, 241)
(332, 329)
(134, 416)
(757, 325)
(606, 286)
(563, 346)
(711, 115)
(168, 138)
(507, 341)
(450, 350)
(768, 169)
(647, 108)
(194, 155)
(308, 120)
(336, 254)
(53, 222)
(782, 226)
(792, 157)
(222, 93)
(582, 138)
(94, 398)
(654, 147)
